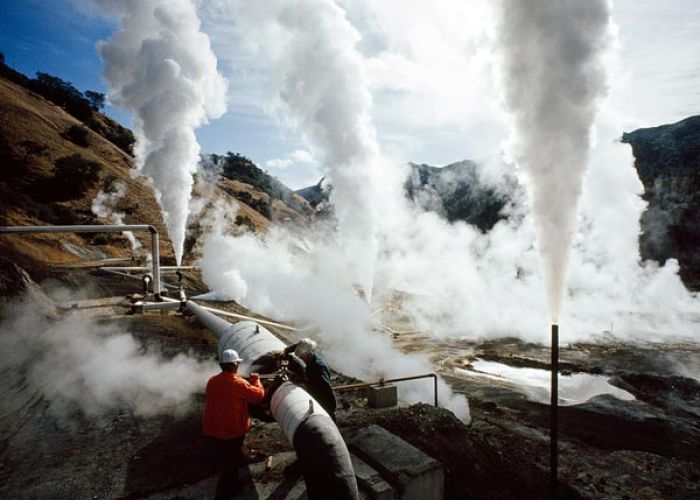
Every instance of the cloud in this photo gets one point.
(280, 163)
(301, 156)
(159, 65)
(76, 362)
(298, 157)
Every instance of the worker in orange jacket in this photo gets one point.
(226, 419)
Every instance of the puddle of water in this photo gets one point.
(573, 389)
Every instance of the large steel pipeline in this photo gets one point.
(321, 451)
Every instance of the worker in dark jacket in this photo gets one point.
(226, 419)
(317, 375)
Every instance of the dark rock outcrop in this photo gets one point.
(457, 193)
(454, 191)
(317, 194)
(667, 159)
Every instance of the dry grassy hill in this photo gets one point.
(46, 178)
(52, 166)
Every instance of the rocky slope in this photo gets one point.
(456, 192)
(56, 159)
(50, 175)
(609, 448)
(667, 159)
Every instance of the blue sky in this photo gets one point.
(59, 37)
(430, 81)
(55, 38)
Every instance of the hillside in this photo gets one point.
(52, 168)
(667, 159)
(278, 201)
(55, 443)
(455, 192)
(53, 165)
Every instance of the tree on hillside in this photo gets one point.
(75, 174)
(2, 58)
(78, 135)
(97, 99)
(64, 94)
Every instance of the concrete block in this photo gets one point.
(370, 482)
(413, 474)
(382, 396)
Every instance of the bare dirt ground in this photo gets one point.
(645, 448)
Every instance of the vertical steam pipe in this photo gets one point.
(155, 261)
(554, 415)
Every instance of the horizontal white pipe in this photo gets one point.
(146, 268)
(229, 314)
(139, 278)
(155, 306)
(97, 228)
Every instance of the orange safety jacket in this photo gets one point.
(226, 411)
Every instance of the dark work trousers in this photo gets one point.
(228, 458)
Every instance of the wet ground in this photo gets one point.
(630, 427)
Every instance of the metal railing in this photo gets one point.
(155, 249)
(384, 381)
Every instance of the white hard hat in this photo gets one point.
(230, 356)
(305, 346)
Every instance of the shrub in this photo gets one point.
(78, 135)
(75, 174)
(96, 99)
(63, 94)
(244, 220)
(32, 148)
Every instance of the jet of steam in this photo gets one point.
(313, 55)
(161, 66)
(105, 205)
(553, 79)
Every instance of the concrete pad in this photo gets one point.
(413, 474)
(382, 396)
(370, 482)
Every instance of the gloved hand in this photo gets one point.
(254, 378)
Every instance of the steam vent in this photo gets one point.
(339, 250)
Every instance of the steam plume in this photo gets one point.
(76, 362)
(312, 56)
(161, 66)
(553, 77)
(105, 205)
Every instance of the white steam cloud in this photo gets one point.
(299, 275)
(104, 205)
(317, 73)
(76, 362)
(554, 77)
(160, 66)
(451, 279)
(311, 56)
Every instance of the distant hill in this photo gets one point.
(456, 192)
(317, 194)
(453, 191)
(667, 159)
(236, 167)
